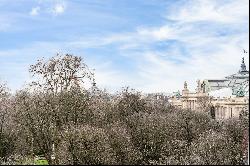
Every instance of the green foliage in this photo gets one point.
(41, 162)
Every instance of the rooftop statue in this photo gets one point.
(185, 85)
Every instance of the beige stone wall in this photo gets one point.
(230, 107)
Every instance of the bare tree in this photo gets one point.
(204, 103)
(47, 112)
(61, 73)
(6, 145)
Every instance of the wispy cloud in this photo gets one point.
(35, 11)
(210, 39)
(211, 10)
(195, 40)
(51, 7)
(4, 24)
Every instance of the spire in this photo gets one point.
(243, 66)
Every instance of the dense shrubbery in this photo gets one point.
(94, 127)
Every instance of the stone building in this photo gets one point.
(223, 107)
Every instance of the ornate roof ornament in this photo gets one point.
(243, 66)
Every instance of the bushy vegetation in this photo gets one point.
(90, 126)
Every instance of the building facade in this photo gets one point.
(223, 107)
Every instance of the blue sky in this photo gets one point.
(149, 45)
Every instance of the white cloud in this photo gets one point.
(162, 33)
(161, 74)
(35, 11)
(59, 8)
(49, 7)
(211, 10)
